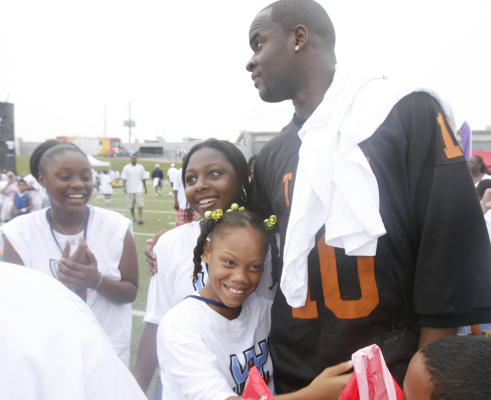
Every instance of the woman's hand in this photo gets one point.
(150, 255)
(80, 270)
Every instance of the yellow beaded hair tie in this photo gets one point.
(270, 222)
(217, 214)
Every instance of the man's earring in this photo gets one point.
(296, 48)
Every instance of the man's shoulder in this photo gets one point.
(283, 138)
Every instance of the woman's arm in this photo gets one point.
(125, 290)
(9, 253)
(146, 360)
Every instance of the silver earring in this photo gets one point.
(296, 48)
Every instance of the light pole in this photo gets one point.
(129, 123)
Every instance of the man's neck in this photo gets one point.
(311, 96)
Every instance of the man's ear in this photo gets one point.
(301, 36)
(206, 251)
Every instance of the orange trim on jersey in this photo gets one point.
(286, 178)
(451, 149)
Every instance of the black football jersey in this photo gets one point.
(431, 268)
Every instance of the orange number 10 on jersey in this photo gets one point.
(343, 309)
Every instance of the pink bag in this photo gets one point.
(256, 388)
(371, 379)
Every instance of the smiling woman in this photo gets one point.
(89, 249)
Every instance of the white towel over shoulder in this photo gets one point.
(334, 184)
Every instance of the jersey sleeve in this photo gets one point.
(452, 274)
(193, 365)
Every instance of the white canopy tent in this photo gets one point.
(94, 162)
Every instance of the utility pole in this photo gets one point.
(129, 123)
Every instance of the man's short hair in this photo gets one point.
(289, 13)
(459, 367)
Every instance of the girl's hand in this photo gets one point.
(79, 255)
(78, 275)
(150, 255)
(330, 383)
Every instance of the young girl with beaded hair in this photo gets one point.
(215, 175)
(208, 343)
(89, 249)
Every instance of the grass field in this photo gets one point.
(158, 213)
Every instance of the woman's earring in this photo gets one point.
(296, 48)
(243, 196)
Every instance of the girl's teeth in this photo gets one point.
(236, 291)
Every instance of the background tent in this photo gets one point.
(94, 162)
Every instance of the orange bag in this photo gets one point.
(256, 388)
(371, 379)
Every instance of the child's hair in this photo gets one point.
(482, 186)
(211, 228)
(482, 165)
(21, 180)
(38, 153)
(233, 155)
(459, 367)
(45, 157)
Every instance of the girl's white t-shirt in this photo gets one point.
(204, 356)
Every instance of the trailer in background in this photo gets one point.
(96, 146)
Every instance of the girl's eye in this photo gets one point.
(64, 177)
(258, 44)
(86, 178)
(228, 263)
(215, 173)
(190, 180)
(255, 267)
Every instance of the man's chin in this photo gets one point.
(268, 98)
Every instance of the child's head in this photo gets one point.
(21, 185)
(215, 174)
(234, 247)
(455, 367)
(65, 172)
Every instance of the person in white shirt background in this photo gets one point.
(478, 169)
(134, 176)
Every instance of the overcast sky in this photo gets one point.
(72, 67)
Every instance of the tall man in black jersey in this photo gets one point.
(429, 273)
